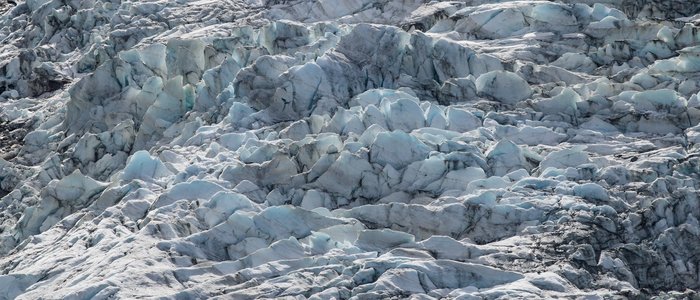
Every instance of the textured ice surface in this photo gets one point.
(360, 149)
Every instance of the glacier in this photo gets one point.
(391, 149)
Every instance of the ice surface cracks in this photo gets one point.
(346, 149)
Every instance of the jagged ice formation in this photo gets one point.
(359, 149)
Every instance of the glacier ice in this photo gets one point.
(356, 149)
(503, 86)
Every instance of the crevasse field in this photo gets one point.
(349, 149)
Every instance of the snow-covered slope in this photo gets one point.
(349, 149)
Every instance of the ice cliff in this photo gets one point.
(360, 149)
